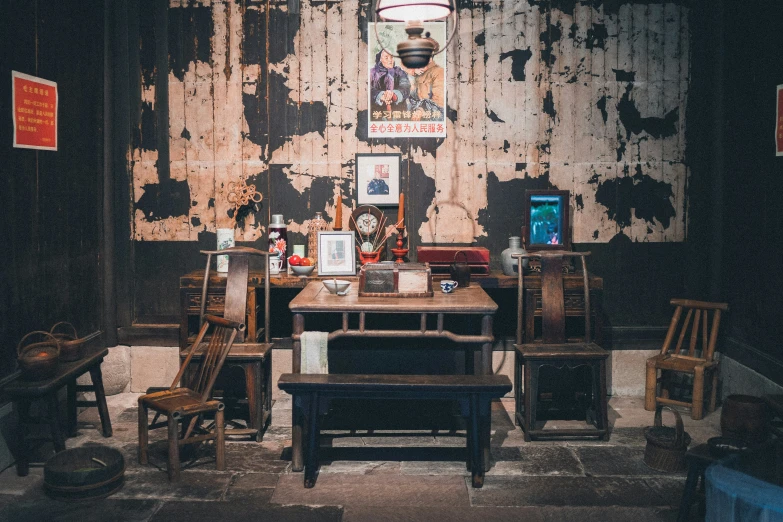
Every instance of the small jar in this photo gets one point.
(317, 224)
(278, 239)
(508, 263)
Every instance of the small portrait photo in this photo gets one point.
(378, 179)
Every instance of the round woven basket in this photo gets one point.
(38, 360)
(666, 446)
(86, 473)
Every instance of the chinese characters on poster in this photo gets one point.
(405, 103)
(35, 112)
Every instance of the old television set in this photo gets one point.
(547, 224)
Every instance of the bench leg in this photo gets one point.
(54, 422)
(100, 398)
(71, 394)
(477, 461)
(23, 414)
(311, 466)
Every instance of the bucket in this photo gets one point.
(666, 446)
(744, 417)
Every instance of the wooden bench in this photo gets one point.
(312, 392)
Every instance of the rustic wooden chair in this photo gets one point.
(191, 402)
(555, 349)
(690, 360)
(254, 357)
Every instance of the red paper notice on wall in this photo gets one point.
(779, 123)
(35, 112)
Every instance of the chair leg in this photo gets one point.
(697, 406)
(143, 433)
(173, 432)
(651, 386)
(529, 399)
(477, 469)
(253, 381)
(311, 465)
(220, 440)
(714, 390)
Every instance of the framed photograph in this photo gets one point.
(378, 179)
(547, 220)
(336, 253)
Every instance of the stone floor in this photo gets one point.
(383, 475)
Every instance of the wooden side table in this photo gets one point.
(23, 393)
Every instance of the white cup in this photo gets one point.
(275, 264)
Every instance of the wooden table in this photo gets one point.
(23, 392)
(315, 299)
(191, 284)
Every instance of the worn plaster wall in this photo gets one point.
(588, 96)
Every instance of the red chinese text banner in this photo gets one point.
(35, 112)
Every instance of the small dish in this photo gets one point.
(302, 271)
(337, 286)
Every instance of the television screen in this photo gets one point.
(546, 219)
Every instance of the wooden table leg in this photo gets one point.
(477, 461)
(297, 460)
(22, 415)
(72, 421)
(486, 348)
(100, 398)
(54, 422)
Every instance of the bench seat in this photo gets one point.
(312, 392)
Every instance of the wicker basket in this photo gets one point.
(71, 347)
(666, 446)
(38, 361)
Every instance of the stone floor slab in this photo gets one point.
(373, 490)
(192, 485)
(535, 460)
(569, 491)
(190, 512)
(13, 484)
(615, 461)
(42, 508)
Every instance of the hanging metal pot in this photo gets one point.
(460, 271)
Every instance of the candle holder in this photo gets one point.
(399, 252)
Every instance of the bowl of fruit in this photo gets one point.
(301, 266)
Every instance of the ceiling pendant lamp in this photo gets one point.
(416, 51)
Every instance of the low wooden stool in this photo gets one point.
(23, 393)
(698, 459)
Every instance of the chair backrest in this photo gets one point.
(215, 350)
(552, 295)
(236, 286)
(701, 331)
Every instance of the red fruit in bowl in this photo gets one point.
(304, 262)
(294, 260)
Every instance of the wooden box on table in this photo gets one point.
(395, 280)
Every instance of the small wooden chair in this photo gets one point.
(556, 350)
(180, 403)
(252, 356)
(690, 360)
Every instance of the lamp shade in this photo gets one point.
(406, 10)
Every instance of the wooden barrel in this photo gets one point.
(745, 417)
(85, 473)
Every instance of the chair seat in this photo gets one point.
(557, 351)
(179, 400)
(678, 363)
(239, 352)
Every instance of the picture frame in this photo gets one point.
(378, 179)
(336, 253)
(547, 220)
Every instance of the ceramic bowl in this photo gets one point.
(302, 270)
(337, 286)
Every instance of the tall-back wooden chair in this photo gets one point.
(555, 349)
(252, 354)
(191, 401)
(696, 358)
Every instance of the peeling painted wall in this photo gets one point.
(588, 96)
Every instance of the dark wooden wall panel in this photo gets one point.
(51, 202)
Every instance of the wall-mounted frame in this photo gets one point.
(336, 253)
(547, 220)
(378, 179)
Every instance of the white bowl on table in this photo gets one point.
(337, 286)
(302, 271)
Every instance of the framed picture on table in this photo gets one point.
(378, 179)
(336, 253)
